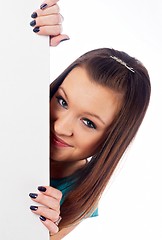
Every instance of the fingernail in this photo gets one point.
(43, 6)
(33, 208)
(42, 218)
(34, 15)
(33, 195)
(42, 189)
(36, 29)
(65, 39)
(33, 23)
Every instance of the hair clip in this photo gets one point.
(123, 63)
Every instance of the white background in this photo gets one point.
(24, 119)
(131, 207)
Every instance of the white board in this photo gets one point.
(24, 119)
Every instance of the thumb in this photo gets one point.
(55, 40)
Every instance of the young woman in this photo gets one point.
(97, 105)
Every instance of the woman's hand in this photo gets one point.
(48, 21)
(49, 211)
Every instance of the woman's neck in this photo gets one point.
(65, 169)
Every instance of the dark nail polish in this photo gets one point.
(36, 29)
(42, 218)
(33, 208)
(64, 39)
(43, 6)
(34, 15)
(33, 195)
(33, 23)
(42, 189)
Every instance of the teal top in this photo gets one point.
(65, 185)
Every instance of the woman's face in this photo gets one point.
(80, 113)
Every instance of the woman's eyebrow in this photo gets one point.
(63, 92)
(96, 116)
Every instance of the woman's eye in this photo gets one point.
(89, 123)
(62, 102)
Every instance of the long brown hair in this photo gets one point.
(136, 89)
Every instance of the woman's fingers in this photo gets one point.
(48, 30)
(48, 196)
(48, 21)
(54, 41)
(47, 25)
(50, 191)
(48, 11)
(52, 227)
(46, 212)
(48, 3)
(46, 201)
(49, 213)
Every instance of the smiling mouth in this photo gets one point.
(58, 142)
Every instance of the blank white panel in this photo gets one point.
(24, 120)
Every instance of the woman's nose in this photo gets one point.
(63, 126)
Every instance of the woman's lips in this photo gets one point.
(58, 142)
